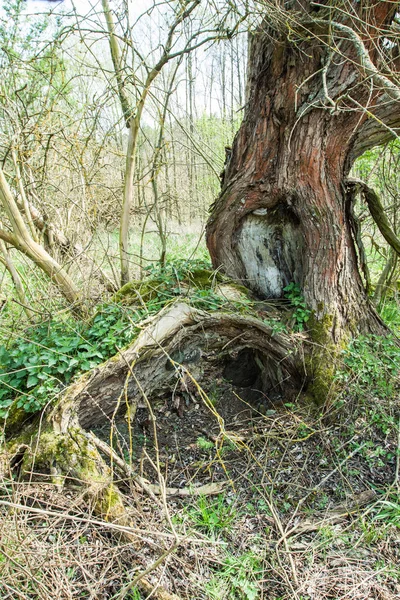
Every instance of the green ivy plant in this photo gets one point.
(371, 366)
(301, 313)
(49, 355)
(35, 366)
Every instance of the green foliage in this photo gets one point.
(205, 444)
(301, 314)
(390, 313)
(388, 511)
(197, 274)
(372, 365)
(237, 578)
(212, 514)
(36, 366)
(134, 594)
(177, 269)
(276, 325)
(376, 455)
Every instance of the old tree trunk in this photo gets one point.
(321, 91)
(316, 101)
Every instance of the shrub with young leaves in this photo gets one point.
(372, 365)
(47, 356)
(301, 313)
(237, 577)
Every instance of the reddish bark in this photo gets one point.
(284, 213)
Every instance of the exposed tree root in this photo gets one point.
(171, 348)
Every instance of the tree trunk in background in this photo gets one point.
(6, 260)
(21, 239)
(284, 214)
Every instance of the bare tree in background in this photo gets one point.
(203, 31)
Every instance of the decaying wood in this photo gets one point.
(209, 489)
(171, 344)
(59, 442)
(179, 332)
(178, 335)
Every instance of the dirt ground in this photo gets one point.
(288, 505)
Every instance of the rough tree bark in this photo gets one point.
(316, 100)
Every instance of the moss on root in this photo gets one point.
(203, 279)
(139, 292)
(71, 455)
(109, 504)
(322, 362)
(16, 418)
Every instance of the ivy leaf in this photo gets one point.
(32, 381)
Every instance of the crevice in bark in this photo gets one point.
(269, 243)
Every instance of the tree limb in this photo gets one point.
(377, 212)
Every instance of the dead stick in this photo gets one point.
(123, 466)
(165, 595)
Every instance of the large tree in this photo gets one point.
(322, 89)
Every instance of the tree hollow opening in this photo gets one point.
(270, 242)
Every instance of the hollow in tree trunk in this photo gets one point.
(285, 213)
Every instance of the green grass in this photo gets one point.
(390, 313)
(371, 365)
(387, 512)
(237, 578)
(134, 595)
(212, 515)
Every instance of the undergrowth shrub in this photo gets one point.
(370, 382)
(198, 274)
(36, 364)
(301, 314)
(48, 355)
(371, 367)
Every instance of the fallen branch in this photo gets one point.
(336, 515)
(209, 489)
(125, 468)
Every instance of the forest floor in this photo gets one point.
(261, 498)
(271, 501)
